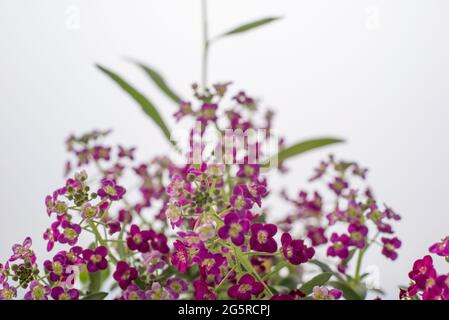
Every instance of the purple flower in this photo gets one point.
(262, 237)
(110, 190)
(138, 240)
(323, 293)
(37, 291)
(60, 293)
(153, 261)
(57, 268)
(241, 199)
(23, 251)
(185, 108)
(316, 235)
(390, 246)
(52, 234)
(245, 288)
(157, 292)
(8, 292)
(358, 233)
(4, 270)
(100, 152)
(89, 211)
(181, 258)
(234, 228)
(70, 233)
(133, 292)
(124, 274)
(295, 251)
(96, 259)
(339, 246)
(209, 262)
(202, 291)
(208, 113)
(175, 287)
(338, 186)
(441, 248)
(126, 153)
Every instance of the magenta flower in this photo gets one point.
(338, 186)
(234, 228)
(209, 262)
(185, 108)
(202, 291)
(100, 152)
(89, 211)
(37, 291)
(157, 292)
(262, 237)
(60, 293)
(441, 248)
(4, 270)
(316, 235)
(23, 251)
(58, 267)
(390, 246)
(158, 242)
(339, 247)
(245, 288)
(175, 287)
(126, 153)
(358, 233)
(110, 190)
(180, 258)
(295, 251)
(52, 234)
(96, 259)
(422, 268)
(70, 233)
(124, 274)
(138, 240)
(241, 199)
(208, 113)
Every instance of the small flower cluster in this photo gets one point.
(198, 230)
(426, 283)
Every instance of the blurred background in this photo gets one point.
(373, 72)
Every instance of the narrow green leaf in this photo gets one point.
(147, 106)
(96, 296)
(160, 82)
(325, 268)
(318, 280)
(249, 26)
(348, 292)
(95, 281)
(305, 146)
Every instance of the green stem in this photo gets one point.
(359, 266)
(204, 63)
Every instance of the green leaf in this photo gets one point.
(325, 268)
(348, 292)
(95, 281)
(160, 82)
(96, 296)
(147, 106)
(305, 146)
(318, 280)
(249, 26)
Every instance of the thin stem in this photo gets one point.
(204, 63)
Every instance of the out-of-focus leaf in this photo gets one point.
(96, 296)
(325, 268)
(348, 292)
(160, 82)
(318, 280)
(95, 281)
(305, 146)
(147, 106)
(248, 26)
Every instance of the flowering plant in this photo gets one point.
(201, 229)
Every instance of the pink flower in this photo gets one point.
(339, 246)
(441, 248)
(23, 251)
(358, 233)
(96, 259)
(124, 274)
(111, 190)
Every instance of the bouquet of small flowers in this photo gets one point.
(201, 230)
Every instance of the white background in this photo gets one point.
(373, 72)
